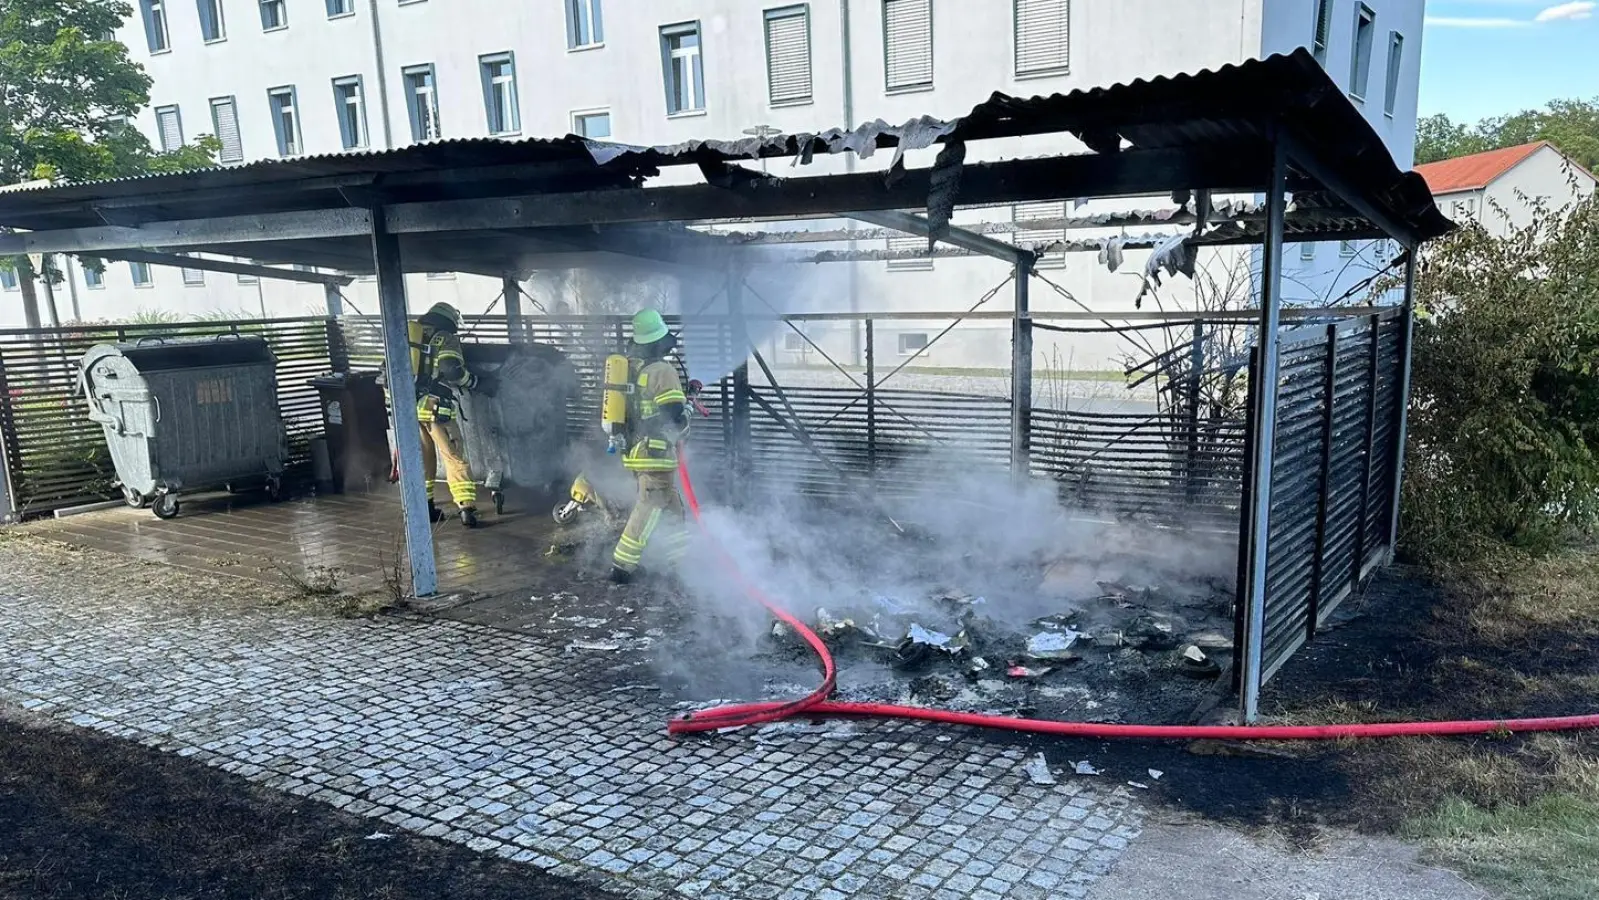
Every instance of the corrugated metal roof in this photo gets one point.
(1214, 111)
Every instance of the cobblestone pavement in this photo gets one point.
(495, 741)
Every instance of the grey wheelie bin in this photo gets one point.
(187, 414)
(518, 437)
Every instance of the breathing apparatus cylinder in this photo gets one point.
(613, 408)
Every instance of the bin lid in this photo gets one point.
(156, 354)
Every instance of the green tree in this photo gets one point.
(1504, 419)
(66, 93)
(1571, 125)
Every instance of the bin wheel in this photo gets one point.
(274, 489)
(133, 498)
(165, 506)
(566, 511)
(499, 501)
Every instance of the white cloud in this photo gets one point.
(1474, 22)
(1571, 12)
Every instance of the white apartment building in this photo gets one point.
(1502, 189)
(288, 78)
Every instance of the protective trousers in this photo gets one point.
(442, 438)
(657, 525)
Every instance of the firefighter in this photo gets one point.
(440, 373)
(657, 421)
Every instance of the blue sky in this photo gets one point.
(1490, 57)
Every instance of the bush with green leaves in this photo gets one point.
(1504, 415)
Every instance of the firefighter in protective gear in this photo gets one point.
(440, 373)
(657, 420)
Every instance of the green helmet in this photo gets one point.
(444, 312)
(648, 327)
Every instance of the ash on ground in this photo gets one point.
(1126, 653)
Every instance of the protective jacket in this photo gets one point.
(658, 416)
(440, 371)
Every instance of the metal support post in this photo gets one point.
(871, 401)
(743, 450)
(407, 430)
(8, 443)
(1329, 415)
(1196, 372)
(1402, 414)
(1021, 375)
(1246, 516)
(1264, 417)
(514, 325)
(335, 300)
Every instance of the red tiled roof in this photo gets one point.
(1468, 173)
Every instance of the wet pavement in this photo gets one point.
(356, 539)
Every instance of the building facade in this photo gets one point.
(287, 78)
(1503, 189)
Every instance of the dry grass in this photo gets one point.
(1510, 636)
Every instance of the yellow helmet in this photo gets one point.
(648, 327)
(444, 313)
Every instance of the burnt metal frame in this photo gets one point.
(1288, 154)
(1224, 168)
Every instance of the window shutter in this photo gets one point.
(908, 42)
(1043, 30)
(788, 56)
(226, 119)
(1023, 213)
(170, 127)
(909, 243)
(1323, 26)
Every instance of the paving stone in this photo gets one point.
(433, 726)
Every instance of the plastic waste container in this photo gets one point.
(518, 437)
(187, 414)
(355, 422)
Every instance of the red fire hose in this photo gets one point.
(817, 704)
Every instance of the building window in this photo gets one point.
(168, 128)
(8, 279)
(685, 74)
(211, 26)
(596, 124)
(499, 93)
(349, 105)
(1043, 32)
(1396, 64)
(794, 342)
(583, 25)
(337, 8)
(441, 276)
(243, 278)
(909, 243)
(422, 101)
(285, 120)
(225, 120)
(912, 342)
(908, 44)
(1035, 237)
(93, 278)
(141, 274)
(274, 15)
(1307, 251)
(1360, 64)
(1346, 248)
(155, 25)
(1323, 29)
(788, 55)
(193, 277)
